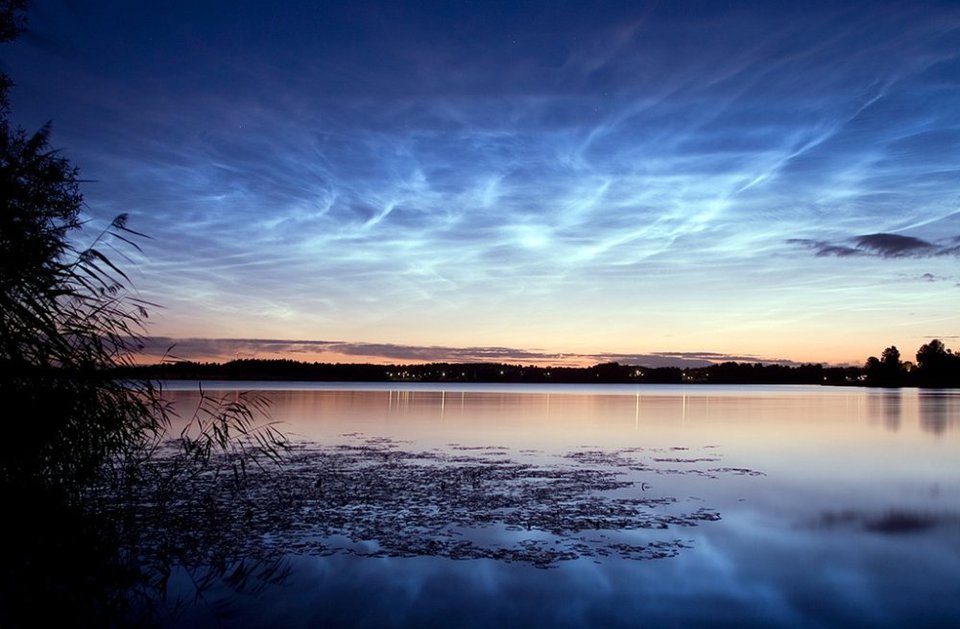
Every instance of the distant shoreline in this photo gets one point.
(498, 373)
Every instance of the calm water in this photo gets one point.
(836, 507)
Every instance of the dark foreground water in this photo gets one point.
(486, 505)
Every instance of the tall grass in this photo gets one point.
(81, 449)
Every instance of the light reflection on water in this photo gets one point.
(857, 520)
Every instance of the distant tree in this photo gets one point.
(932, 354)
(886, 371)
(873, 368)
(937, 366)
(891, 358)
(892, 372)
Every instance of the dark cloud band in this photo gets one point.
(227, 349)
(881, 246)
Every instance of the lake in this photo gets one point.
(606, 505)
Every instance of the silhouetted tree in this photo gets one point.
(937, 366)
(65, 316)
(75, 435)
(886, 371)
(891, 358)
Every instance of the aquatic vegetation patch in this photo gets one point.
(370, 497)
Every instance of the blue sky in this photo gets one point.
(532, 181)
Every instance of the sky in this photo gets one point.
(539, 182)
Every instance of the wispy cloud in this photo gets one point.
(624, 171)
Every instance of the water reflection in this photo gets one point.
(935, 411)
(939, 411)
(855, 522)
(891, 522)
(124, 563)
(569, 418)
(892, 409)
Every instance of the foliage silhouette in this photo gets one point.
(83, 448)
(68, 320)
(66, 315)
(936, 367)
(886, 371)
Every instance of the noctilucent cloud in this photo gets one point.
(534, 181)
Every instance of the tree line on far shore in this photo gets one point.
(935, 366)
